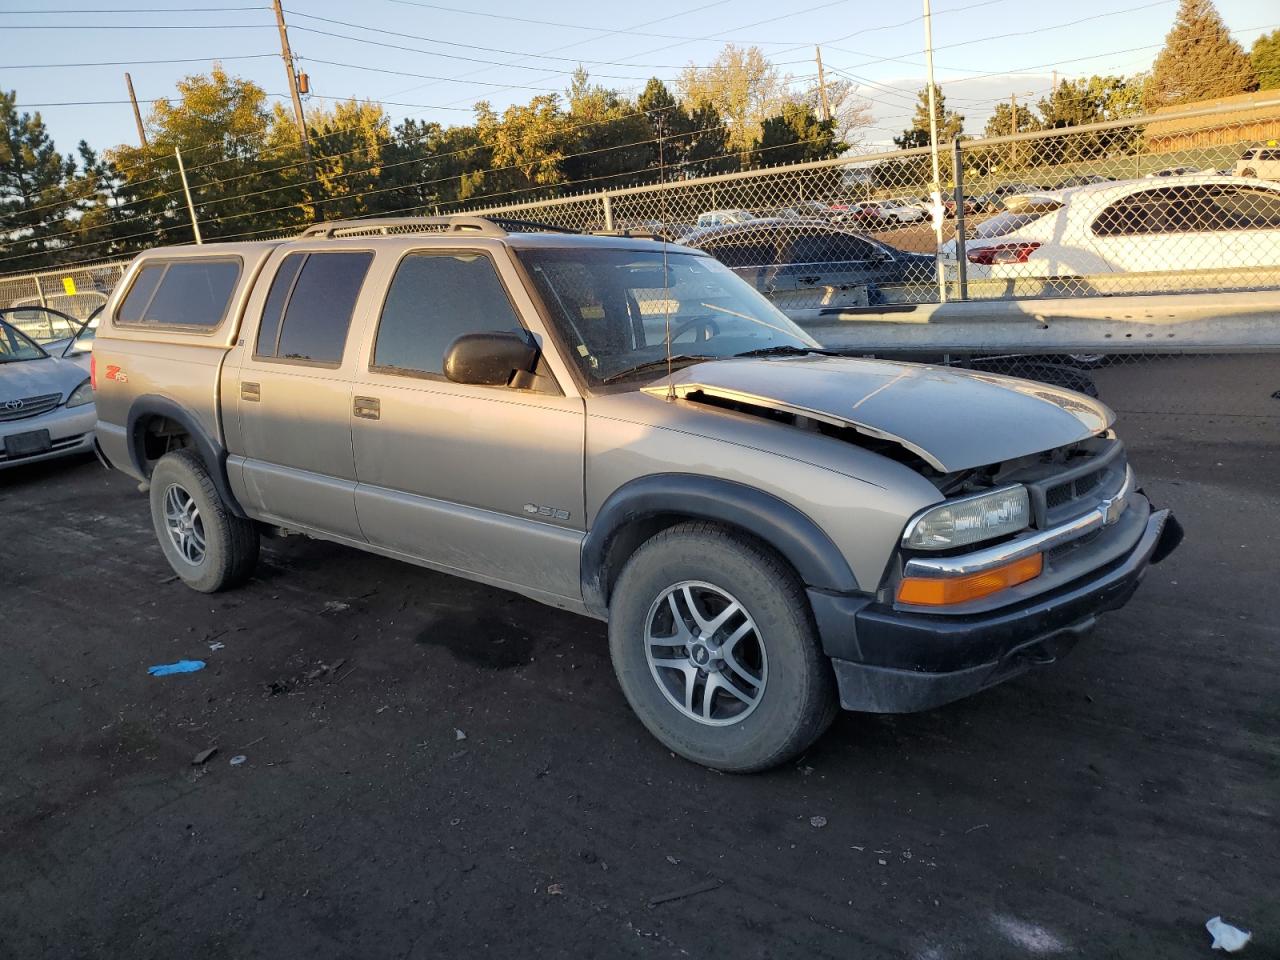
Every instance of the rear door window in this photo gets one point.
(830, 248)
(309, 306)
(433, 300)
(181, 293)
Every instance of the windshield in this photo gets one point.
(15, 345)
(612, 308)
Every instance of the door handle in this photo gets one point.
(250, 391)
(368, 408)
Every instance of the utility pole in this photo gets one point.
(191, 207)
(1055, 83)
(287, 55)
(1013, 129)
(935, 191)
(822, 88)
(137, 116)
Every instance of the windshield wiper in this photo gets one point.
(661, 362)
(785, 350)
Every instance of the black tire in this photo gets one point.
(797, 697)
(230, 543)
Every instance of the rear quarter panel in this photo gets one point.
(179, 364)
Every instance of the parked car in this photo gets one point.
(902, 210)
(777, 256)
(993, 200)
(861, 213)
(1260, 162)
(971, 206)
(1178, 224)
(714, 218)
(46, 400)
(624, 429)
(1176, 172)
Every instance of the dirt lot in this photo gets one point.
(1104, 807)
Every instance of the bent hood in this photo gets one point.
(953, 419)
(33, 378)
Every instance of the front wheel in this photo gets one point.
(206, 544)
(715, 650)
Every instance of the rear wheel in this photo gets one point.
(207, 545)
(715, 650)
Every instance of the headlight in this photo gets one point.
(967, 520)
(81, 395)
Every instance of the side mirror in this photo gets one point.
(489, 359)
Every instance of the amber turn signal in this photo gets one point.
(942, 591)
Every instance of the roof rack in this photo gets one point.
(386, 226)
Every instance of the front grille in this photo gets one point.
(28, 406)
(1064, 491)
(1075, 489)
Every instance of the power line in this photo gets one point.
(470, 46)
(135, 10)
(133, 63)
(139, 26)
(449, 56)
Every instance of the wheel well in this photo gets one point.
(157, 435)
(630, 537)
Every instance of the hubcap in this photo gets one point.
(184, 524)
(705, 653)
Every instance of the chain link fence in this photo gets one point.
(1181, 201)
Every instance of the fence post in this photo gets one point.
(962, 265)
(608, 210)
(40, 290)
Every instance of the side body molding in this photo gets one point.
(210, 451)
(694, 497)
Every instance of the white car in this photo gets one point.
(902, 210)
(718, 218)
(1175, 224)
(1261, 162)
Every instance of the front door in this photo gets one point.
(485, 481)
(293, 396)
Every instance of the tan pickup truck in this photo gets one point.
(622, 428)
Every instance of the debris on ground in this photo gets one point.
(458, 734)
(182, 666)
(817, 822)
(321, 671)
(216, 646)
(554, 890)
(238, 759)
(705, 887)
(1225, 936)
(335, 606)
(203, 756)
(674, 861)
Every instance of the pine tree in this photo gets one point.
(1199, 61)
(35, 203)
(950, 123)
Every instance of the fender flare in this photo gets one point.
(804, 544)
(210, 451)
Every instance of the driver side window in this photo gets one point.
(434, 299)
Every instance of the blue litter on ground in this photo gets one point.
(182, 666)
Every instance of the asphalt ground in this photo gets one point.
(1105, 806)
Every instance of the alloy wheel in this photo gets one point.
(705, 653)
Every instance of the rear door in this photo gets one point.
(292, 395)
(481, 480)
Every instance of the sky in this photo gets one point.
(462, 51)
